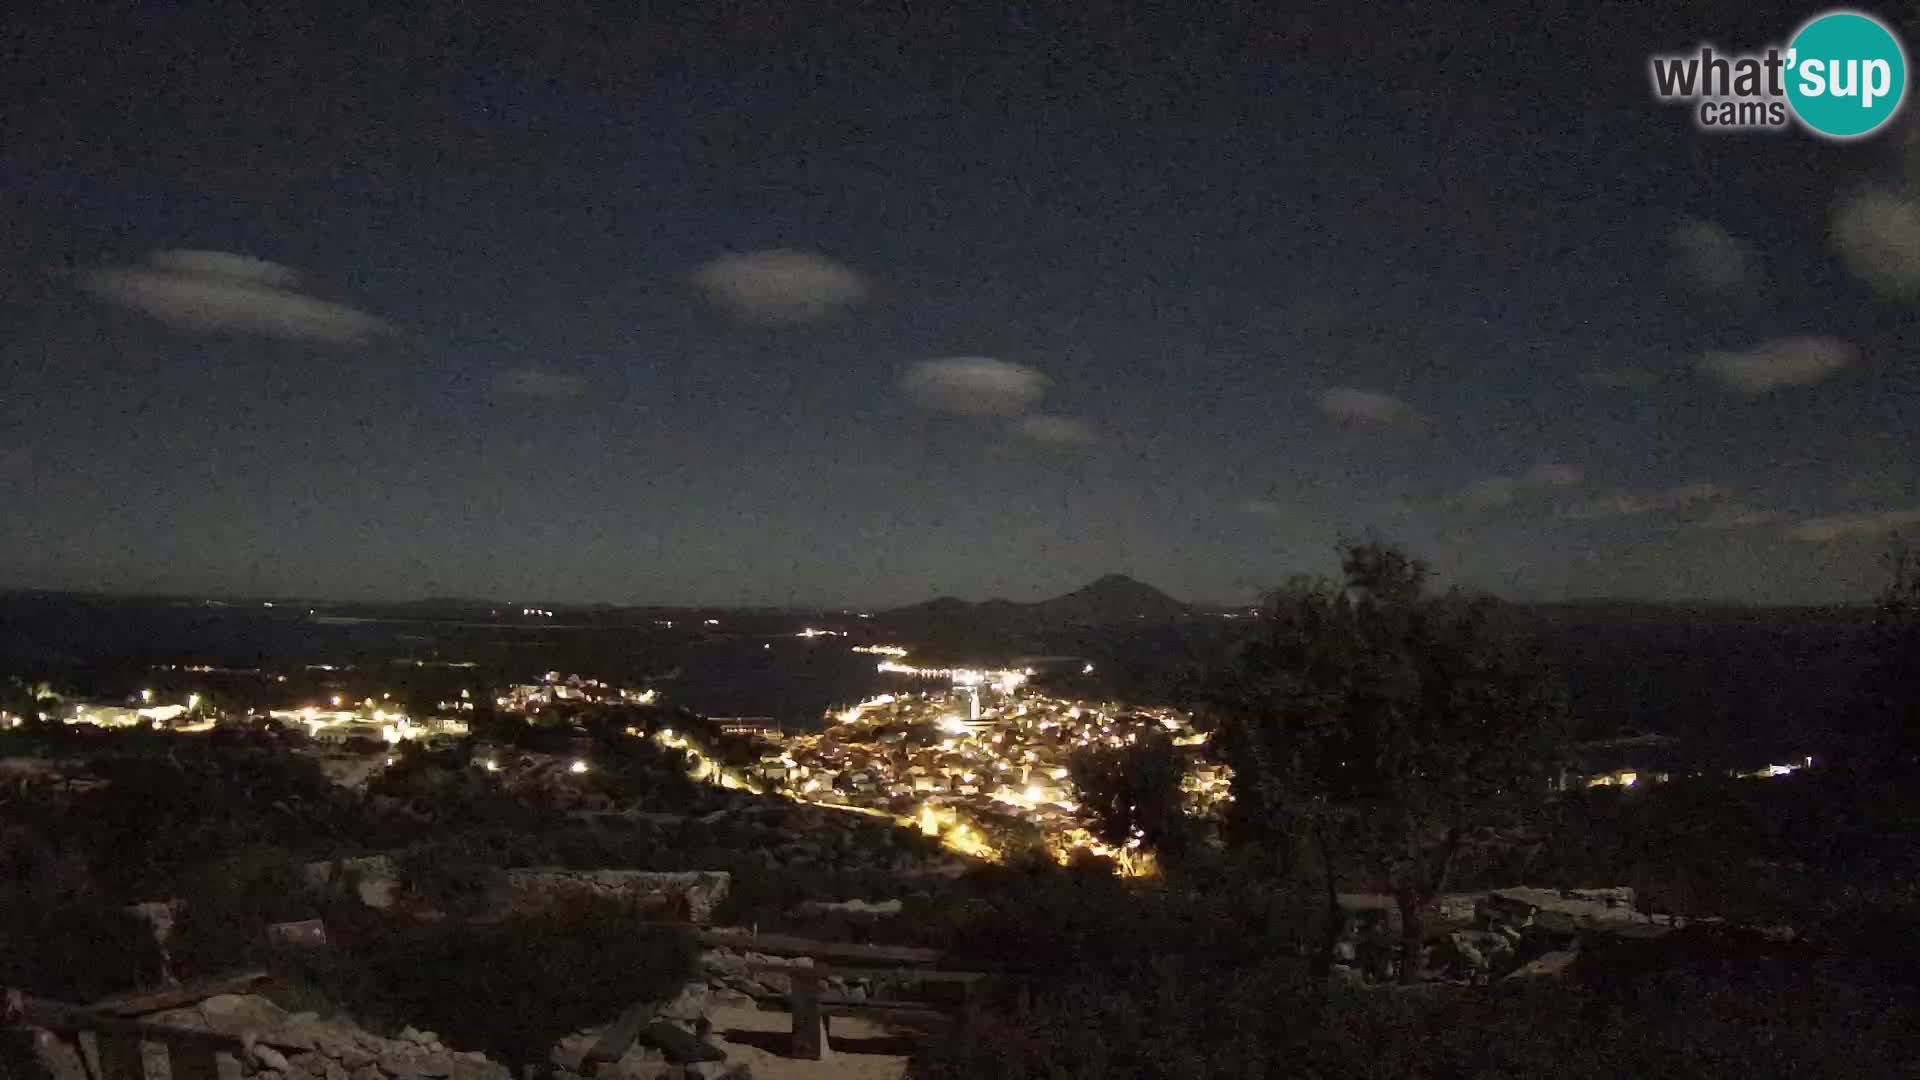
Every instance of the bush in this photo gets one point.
(1694, 1005)
(76, 951)
(169, 803)
(1083, 921)
(456, 879)
(510, 988)
(228, 905)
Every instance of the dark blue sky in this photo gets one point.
(1451, 276)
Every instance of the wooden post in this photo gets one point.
(809, 1035)
(120, 1056)
(969, 1006)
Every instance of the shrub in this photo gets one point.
(457, 879)
(509, 988)
(228, 906)
(77, 950)
(1693, 1006)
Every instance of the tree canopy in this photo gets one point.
(1133, 794)
(1382, 720)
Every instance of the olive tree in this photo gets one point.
(1382, 723)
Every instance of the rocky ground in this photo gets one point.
(1518, 932)
(301, 1046)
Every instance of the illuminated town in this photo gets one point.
(982, 762)
(979, 758)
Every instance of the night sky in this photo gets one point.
(761, 305)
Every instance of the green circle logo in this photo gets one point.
(1846, 74)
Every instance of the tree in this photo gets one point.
(1383, 723)
(1133, 794)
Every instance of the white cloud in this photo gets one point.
(1737, 517)
(1553, 475)
(1057, 430)
(1495, 491)
(535, 383)
(779, 286)
(974, 386)
(1367, 408)
(1498, 491)
(215, 292)
(221, 264)
(1265, 508)
(1878, 484)
(1636, 503)
(1877, 234)
(1783, 362)
(1707, 262)
(1825, 530)
(1621, 378)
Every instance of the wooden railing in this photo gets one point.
(191, 1055)
(811, 1008)
(898, 964)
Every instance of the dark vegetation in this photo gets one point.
(1387, 740)
(509, 988)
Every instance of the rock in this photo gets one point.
(337, 1071)
(306, 933)
(724, 961)
(848, 907)
(1470, 955)
(60, 1057)
(688, 1006)
(428, 1038)
(416, 1065)
(411, 1034)
(369, 1072)
(307, 1031)
(680, 1048)
(312, 1063)
(231, 1014)
(269, 1058)
(571, 1050)
(1552, 965)
(188, 1017)
(301, 1031)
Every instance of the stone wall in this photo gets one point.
(378, 877)
(691, 894)
(300, 1046)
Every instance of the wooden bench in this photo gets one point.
(191, 1055)
(811, 1008)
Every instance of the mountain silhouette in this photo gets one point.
(1115, 598)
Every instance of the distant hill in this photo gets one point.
(1115, 598)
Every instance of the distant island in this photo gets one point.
(1114, 598)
